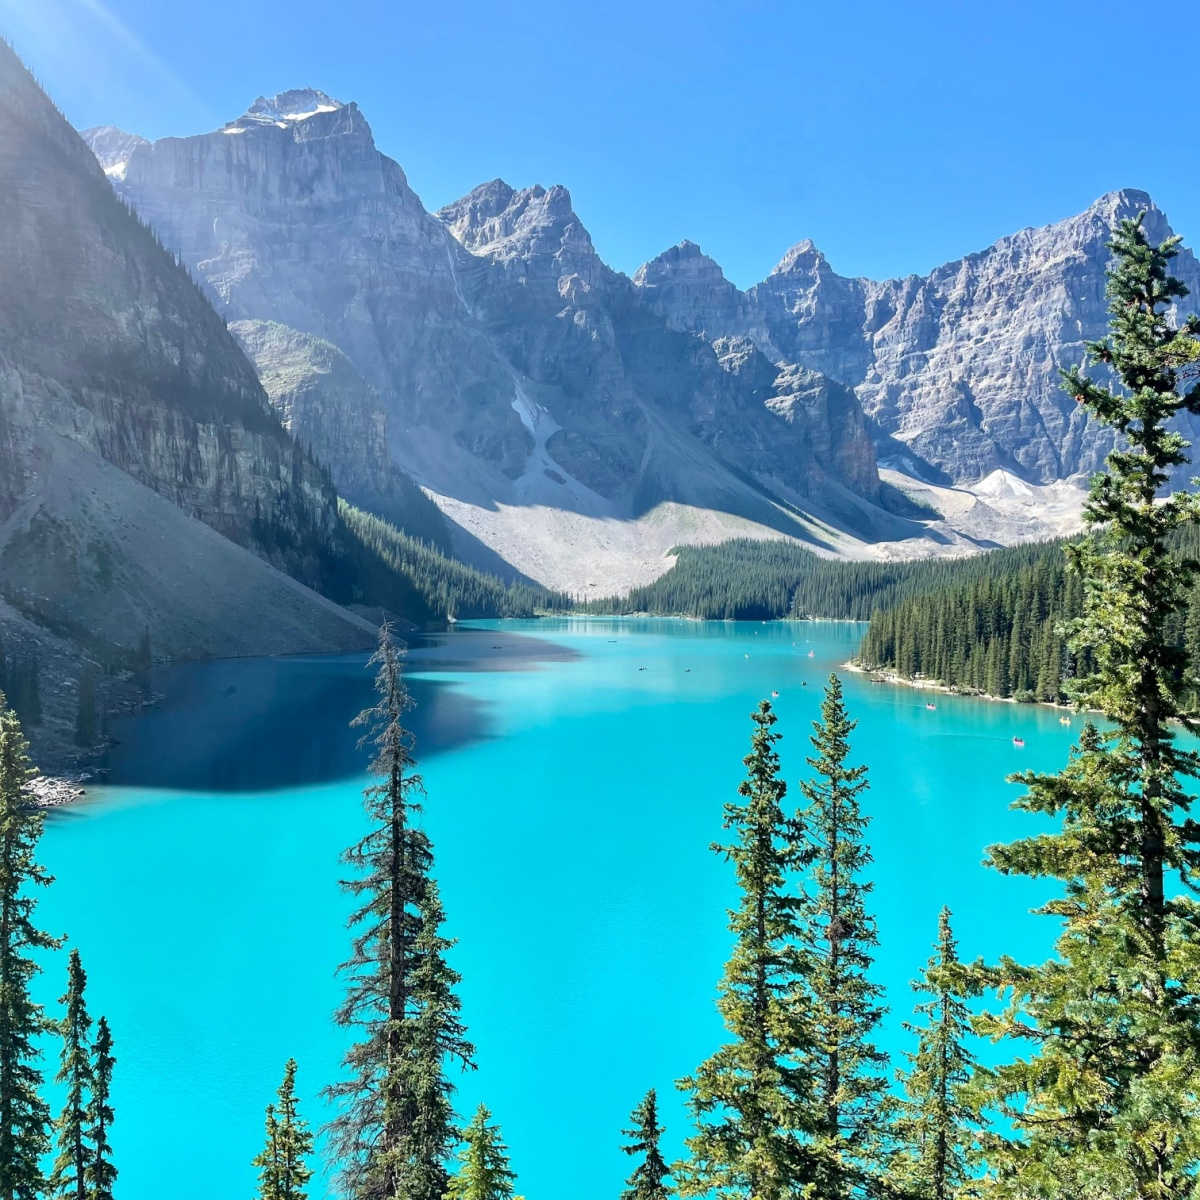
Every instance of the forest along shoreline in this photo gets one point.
(887, 676)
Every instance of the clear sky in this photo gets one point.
(895, 135)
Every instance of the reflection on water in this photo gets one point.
(251, 725)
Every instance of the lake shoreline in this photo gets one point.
(931, 685)
(57, 791)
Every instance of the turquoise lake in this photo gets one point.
(572, 798)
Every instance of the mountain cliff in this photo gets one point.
(136, 443)
(957, 369)
(555, 418)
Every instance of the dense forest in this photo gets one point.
(996, 623)
(746, 579)
(395, 564)
(1001, 626)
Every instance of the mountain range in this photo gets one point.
(206, 340)
(571, 423)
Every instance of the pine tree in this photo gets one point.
(69, 1176)
(850, 1112)
(934, 1126)
(393, 1132)
(283, 1171)
(24, 1115)
(750, 1099)
(648, 1181)
(101, 1174)
(483, 1171)
(1103, 1100)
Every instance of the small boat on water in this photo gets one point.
(1064, 720)
(1018, 742)
(812, 654)
(931, 707)
(774, 694)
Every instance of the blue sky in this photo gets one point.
(896, 136)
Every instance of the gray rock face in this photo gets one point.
(112, 147)
(501, 360)
(133, 430)
(959, 370)
(323, 401)
(568, 321)
(690, 291)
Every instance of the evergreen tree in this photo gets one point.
(750, 1099)
(393, 1132)
(69, 1176)
(24, 1115)
(648, 1181)
(283, 1172)
(101, 1174)
(850, 1110)
(1103, 1100)
(438, 1036)
(934, 1126)
(267, 1160)
(483, 1171)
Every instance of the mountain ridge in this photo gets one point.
(523, 383)
(575, 403)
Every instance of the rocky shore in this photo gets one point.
(52, 791)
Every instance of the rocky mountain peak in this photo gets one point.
(112, 148)
(303, 114)
(684, 257)
(296, 104)
(802, 258)
(535, 226)
(1123, 202)
(690, 291)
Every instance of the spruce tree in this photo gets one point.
(24, 1115)
(648, 1181)
(750, 1099)
(69, 1176)
(283, 1171)
(1103, 1097)
(483, 1168)
(101, 1174)
(850, 1110)
(437, 1037)
(267, 1159)
(393, 1133)
(934, 1127)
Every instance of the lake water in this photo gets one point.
(572, 798)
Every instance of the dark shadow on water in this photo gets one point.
(250, 725)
